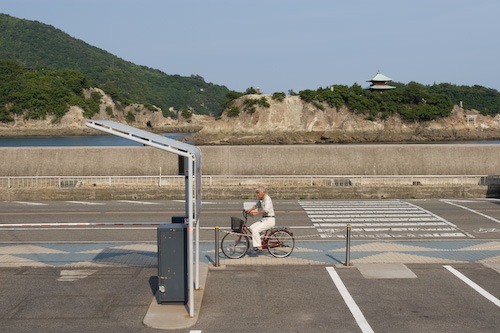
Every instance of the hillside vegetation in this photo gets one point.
(266, 119)
(48, 78)
(38, 47)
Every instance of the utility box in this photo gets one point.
(180, 219)
(172, 263)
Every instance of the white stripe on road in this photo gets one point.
(139, 202)
(86, 203)
(73, 224)
(356, 312)
(473, 285)
(369, 224)
(30, 203)
(203, 202)
(336, 234)
(402, 229)
(432, 214)
(374, 214)
(369, 218)
(73, 228)
(473, 211)
(387, 219)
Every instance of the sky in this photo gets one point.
(283, 45)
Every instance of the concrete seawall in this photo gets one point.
(404, 159)
(334, 160)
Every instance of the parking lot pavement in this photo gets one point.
(54, 299)
(409, 286)
(399, 298)
(391, 298)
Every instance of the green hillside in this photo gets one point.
(39, 46)
(44, 70)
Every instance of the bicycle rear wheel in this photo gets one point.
(281, 243)
(234, 246)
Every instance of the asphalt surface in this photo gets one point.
(60, 279)
(253, 299)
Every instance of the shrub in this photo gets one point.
(233, 112)
(263, 102)
(130, 117)
(109, 111)
(5, 116)
(278, 96)
(251, 91)
(186, 113)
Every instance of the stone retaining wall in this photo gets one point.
(246, 192)
(403, 159)
(411, 159)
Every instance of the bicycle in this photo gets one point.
(279, 241)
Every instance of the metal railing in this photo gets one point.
(240, 180)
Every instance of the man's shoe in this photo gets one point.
(256, 250)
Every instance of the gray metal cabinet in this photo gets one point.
(172, 263)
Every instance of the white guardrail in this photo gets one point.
(219, 180)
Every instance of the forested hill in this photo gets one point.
(40, 46)
(44, 71)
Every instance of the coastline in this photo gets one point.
(278, 137)
(341, 137)
(84, 131)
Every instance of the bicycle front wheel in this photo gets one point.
(234, 246)
(281, 243)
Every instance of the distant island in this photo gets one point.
(286, 121)
(51, 82)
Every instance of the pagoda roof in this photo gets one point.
(379, 77)
(380, 87)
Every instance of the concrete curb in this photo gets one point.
(176, 316)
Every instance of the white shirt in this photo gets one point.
(266, 205)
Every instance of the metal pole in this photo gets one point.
(189, 211)
(216, 264)
(348, 246)
(197, 257)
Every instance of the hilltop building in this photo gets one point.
(380, 82)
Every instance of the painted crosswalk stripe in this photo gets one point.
(378, 219)
(370, 224)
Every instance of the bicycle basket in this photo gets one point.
(236, 224)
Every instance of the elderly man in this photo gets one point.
(263, 207)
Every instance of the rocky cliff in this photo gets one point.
(290, 121)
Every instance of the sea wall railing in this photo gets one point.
(239, 180)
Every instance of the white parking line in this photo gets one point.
(356, 312)
(473, 211)
(473, 285)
